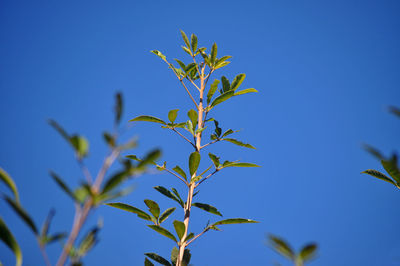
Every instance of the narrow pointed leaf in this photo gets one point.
(163, 232)
(213, 53)
(150, 158)
(179, 228)
(379, 175)
(158, 53)
(158, 258)
(221, 64)
(233, 164)
(166, 214)
(282, 247)
(193, 43)
(192, 114)
(237, 81)
(213, 89)
(215, 159)
(147, 262)
(225, 84)
(56, 237)
(9, 182)
(148, 118)
(189, 236)
(239, 143)
(223, 97)
(22, 214)
(190, 67)
(392, 168)
(59, 129)
(245, 91)
(153, 207)
(395, 110)
(178, 196)
(46, 225)
(181, 64)
(308, 252)
(174, 255)
(118, 107)
(207, 208)
(194, 161)
(228, 132)
(172, 115)
(167, 193)
(185, 39)
(7, 237)
(129, 208)
(180, 172)
(374, 152)
(234, 221)
(186, 50)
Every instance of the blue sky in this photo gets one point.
(326, 71)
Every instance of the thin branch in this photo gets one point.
(173, 129)
(178, 76)
(44, 254)
(197, 87)
(212, 142)
(207, 177)
(208, 76)
(106, 165)
(197, 236)
(85, 171)
(172, 173)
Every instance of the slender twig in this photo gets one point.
(44, 254)
(207, 177)
(106, 165)
(196, 236)
(172, 173)
(194, 84)
(173, 129)
(85, 171)
(212, 142)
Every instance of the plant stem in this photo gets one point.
(44, 254)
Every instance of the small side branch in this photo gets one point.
(197, 236)
(172, 173)
(207, 177)
(212, 142)
(180, 134)
(85, 171)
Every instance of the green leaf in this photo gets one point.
(45, 227)
(59, 129)
(213, 53)
(80, 144)
(185, 39)
(150, 158)
(7, 237)
(194, 161)
(193, 43)
(374, 152)
(186, 257)
(223, 97)
(392, 168)
(168, 194)
(163, 232)
(56, 237)
(179, 228)
(282, 247)
(186, 50)
(237, 81)
(394, 110)
(228, 132)
(189, 236)
(153, 207)
(190, 67)
(239, 143)
(215, 159)
(225, 84)
(158, 53)
(158, 258)
(245, 91)
(234, 221)
(129, 208)
(189, 127)
(9, 182)
(109, 139)
(22, 214)
(207, 208)
(213, 89)
(148, 118)
(218, 130)
(114, 181)
(379, 175)
(89, 241)
(174, 255)
(166, 214)
(308, 252)
(180, 172)
(172, 115)
(178, 196)
(133, 157)
(147, 262)
(118, 107)
(181, 64)
(192, 114)
(233, 164)
(221, 64)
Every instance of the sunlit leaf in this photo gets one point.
(179, 228)
(213, 89)
(221, 64)
(234, 221)
(193, 43)
(192, 114)
(207, 208)
(158, 258)
(282, 247)
(234, 164)
(308, 252)
(225, 84)
(185, 39)
(129, 208)
(172, 115)
(9, 182)
(215, 159)
(153, 207)
(163, 232)
(213, 55)
(7, 237)
(223, 97)
(239, 143)
(158, 53)
(237, 81)
(181, 64)
(392, 168)
(148, 118)
(379, 175)
(166, 214)
(178, 196)
(194, 161)
(245, 91)
(168, 194)
(174, 255)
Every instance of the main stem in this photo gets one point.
(200, 111)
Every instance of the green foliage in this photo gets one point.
(7, 237)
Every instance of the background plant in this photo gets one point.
(197, 73)
(86, 198)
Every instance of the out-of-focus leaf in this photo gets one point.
(55, 237)
(234, 221)
(153, 207)
(179, 228)
(166, 214)
(245, 91)
(148, 118)
(207, 208)
(114, 181)
(215, 159)
(172, 115)
(129, 208)
(150, 158)
(46, 225)
(192, 114)
(81, 145)
(233, 164)
(174, 255)
(223, 97)
(22, 214)
(239, 143)
(237, 81)
(395, 110)
(379, 175)
(133, 157)
(7, 237)
(163, 232)
(186, 257)
(158, 258)
(225, 84)
(168, 194)
(194, 161)
(308, 252)
(158, 53)
(59, 129)
(9, 182)
(374, 152)
(147, 262)
(213, 89)
(118, 107)
(193, 43)
(392, 168)
(89, 241)
(109, 139)
(185, 39)
(81, 194)
(180, 172)
(213, 53)
(282, 247)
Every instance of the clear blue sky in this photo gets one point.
(325, 70)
